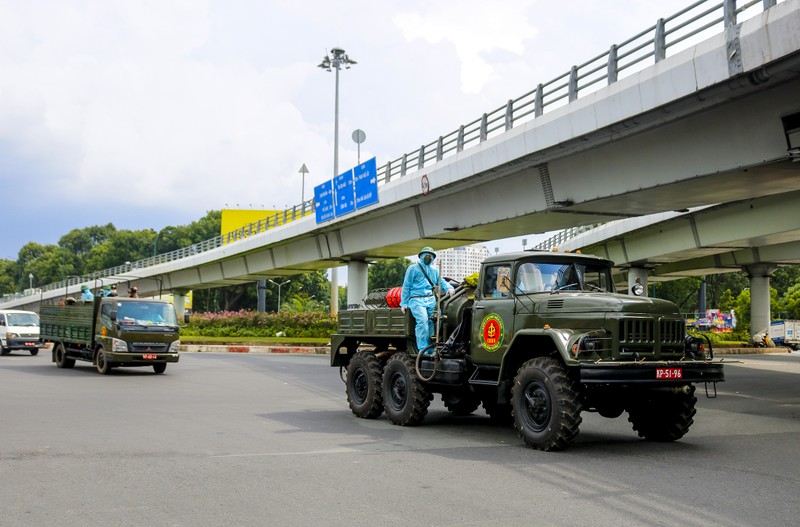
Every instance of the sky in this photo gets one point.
(150, 113)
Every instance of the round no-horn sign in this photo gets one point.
(426, 185)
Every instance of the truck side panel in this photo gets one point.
(71, 324)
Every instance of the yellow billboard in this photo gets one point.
(241, 223)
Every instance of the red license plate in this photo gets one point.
(669, 373)
(149, 356)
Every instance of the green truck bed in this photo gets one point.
(73, 323)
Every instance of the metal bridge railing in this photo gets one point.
(694, 21)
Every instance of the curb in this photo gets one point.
(216, 348)
(750, 351)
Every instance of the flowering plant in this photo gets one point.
(247, 323)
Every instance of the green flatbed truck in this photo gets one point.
(111, 332)
(537, 339)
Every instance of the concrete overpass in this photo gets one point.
(714, 123)
(755, 236)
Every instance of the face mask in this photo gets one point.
(427, 259)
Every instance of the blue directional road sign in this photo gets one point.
(365, 177)
(323, 198)
(345, 195)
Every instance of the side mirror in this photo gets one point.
(113, 315)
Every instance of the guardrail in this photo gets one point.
(652, 43)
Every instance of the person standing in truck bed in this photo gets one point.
(418, 296)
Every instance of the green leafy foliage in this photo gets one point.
(387, 273)
(247, 323)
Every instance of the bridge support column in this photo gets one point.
(759, 297)
(637, 276)
(179, 301)
(356, 282)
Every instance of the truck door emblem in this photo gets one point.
(491, 332)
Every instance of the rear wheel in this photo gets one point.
(405, 398)
(62, 361)
(101, 362)
(663, 416)
(363, 385)
(160, 368)
(545, 403)
(4, 350)
(35, 351)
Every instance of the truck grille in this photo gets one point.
(635, 331)
(148, 347)
(644, 338)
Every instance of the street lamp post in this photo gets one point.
(279, 290)
(338, 60)
(155, 244)
(30, 279)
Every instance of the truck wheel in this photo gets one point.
(35, 351)
(62, 361)
(660, 416)
(405, 398)
(461, 403)
(364, 375)
(4, 350)
(545, 405)
(160, 368)
(101, 362)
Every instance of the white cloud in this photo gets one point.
(170, 108)
(474, 28)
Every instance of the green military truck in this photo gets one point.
(537, 339)
(111, 332)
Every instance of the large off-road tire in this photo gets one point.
(405, 398)
(545, 404)
(663, 416)
(101, 362)
(34, 351)
(363, 385)
(461, 402)
(60, 353)
(161, 367)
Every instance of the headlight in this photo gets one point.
(12, 335)
(119, 345)
(173, 348)
(637, 289)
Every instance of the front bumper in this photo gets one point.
(138, 359)
(638, 373)
(24, 343)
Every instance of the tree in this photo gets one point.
(683, 292)
(81, 241)
(385, 274)
(791, 302)
(8, 277)
(785, 277)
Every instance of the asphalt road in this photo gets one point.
(236, 439)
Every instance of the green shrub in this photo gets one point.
(247, 323)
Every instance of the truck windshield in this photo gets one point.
(22, 319)
(146, 314)
(549, 277)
